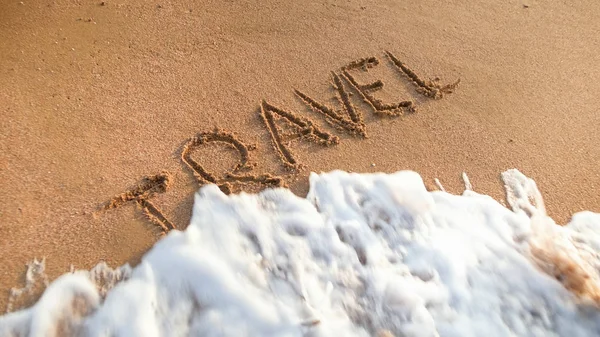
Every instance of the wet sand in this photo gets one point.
(94, 97)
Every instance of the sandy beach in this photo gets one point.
(94, 96)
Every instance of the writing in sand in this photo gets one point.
(344, 117)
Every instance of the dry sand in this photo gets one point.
(93, 97)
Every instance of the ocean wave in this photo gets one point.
(361, 255)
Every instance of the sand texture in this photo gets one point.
(114, 113)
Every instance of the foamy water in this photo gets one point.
(361, 255)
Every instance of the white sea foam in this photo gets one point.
(362, 255)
